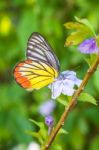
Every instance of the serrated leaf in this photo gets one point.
(85, 97)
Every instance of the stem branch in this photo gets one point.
(72, 103)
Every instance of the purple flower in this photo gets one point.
(89, 46)
(47, 108)
(49, 121)
(64, 84)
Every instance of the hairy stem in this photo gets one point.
(72, 103)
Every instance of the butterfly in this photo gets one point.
(40, 68)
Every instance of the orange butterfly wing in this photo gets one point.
(34, 74)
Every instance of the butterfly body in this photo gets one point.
(41, 67)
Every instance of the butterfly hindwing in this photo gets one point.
(34, 74)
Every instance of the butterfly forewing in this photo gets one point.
(39, 49)
(41, 67)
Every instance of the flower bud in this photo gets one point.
(49, 121)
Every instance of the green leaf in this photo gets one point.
(90, 59)
(63, 131)
(41, 134)
(63, 102)
(75, 38)
(56, 147)
(85, 97)
(36, 135)
(39, 124)
(97, 40)
(83, 30)
(87, 23)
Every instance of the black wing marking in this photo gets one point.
(39, 50)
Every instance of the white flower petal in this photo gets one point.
(68, 73)
(73, 80)
(65, 84)
(78, 82)
(56, 89)
(68, 83)
(68, 91)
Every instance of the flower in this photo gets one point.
(49, 121)
(64, 84)
(47, 108)
(89, 46)
(33, 146)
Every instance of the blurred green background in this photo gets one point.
(18, 19)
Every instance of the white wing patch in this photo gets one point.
(38, 49)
